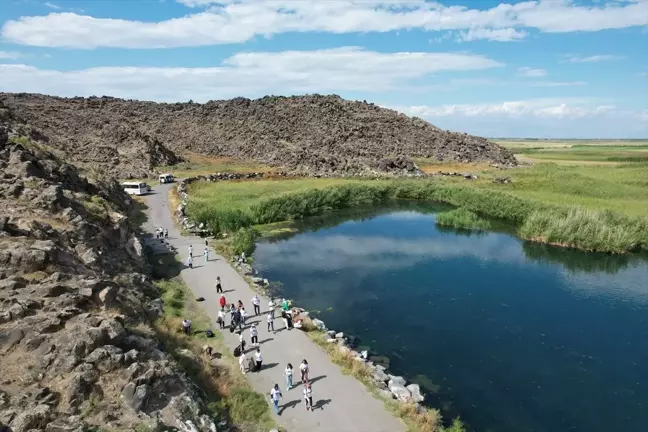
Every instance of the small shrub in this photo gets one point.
(244, 240)
(462, 218)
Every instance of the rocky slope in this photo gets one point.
(73, 290)
(314, 133)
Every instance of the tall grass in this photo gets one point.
(587, 229)
(462, 218)
(604, 231)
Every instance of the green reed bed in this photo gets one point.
(229, 207)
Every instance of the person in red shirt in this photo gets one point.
(222, 302)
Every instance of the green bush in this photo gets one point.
(462, 218)
(244, 240)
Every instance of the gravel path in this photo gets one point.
(342, 403)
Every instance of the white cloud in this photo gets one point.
(558, 83)
(246, 74)
(498, 35)
(52, 5)
(238, 21)
(10, 55)
(531, 73)
(544, 108)
(594, 58)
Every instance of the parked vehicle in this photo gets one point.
(166, 178)
(136, 188)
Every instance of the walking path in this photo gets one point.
(342, 403)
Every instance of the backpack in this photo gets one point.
(237, 351)
(232, 327)
(200, 299)
(209, 333)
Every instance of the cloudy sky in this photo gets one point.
(550, 68)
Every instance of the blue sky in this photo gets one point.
(552, 68)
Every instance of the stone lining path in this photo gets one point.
(342, 403)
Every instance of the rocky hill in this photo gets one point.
(74, 291)
(312, 133)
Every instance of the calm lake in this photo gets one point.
(512, 336)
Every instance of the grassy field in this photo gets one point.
(597, 201)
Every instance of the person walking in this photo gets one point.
(270, 322)
(166, 234)
(232, 313)
(242, 342)
(206, 243)
(219, 287)
(221, 319)
(157, 233)
(288, 372)
(243, 316)
(191, 251)
(222, 302)
(284, 305)
(271, 307)
(190, 262)
(206, 253)
(186, 326)
(275, 395)
(242, 360)
(256, 302)
(308, 397)
(258, 358)
(304, 368)
(254, 335)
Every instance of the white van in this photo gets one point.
(136, 188)
(166, 178)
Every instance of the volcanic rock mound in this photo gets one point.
(309, 133)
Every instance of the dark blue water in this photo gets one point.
(512, 336)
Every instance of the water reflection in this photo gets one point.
(514, 336)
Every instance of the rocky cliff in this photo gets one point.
(73, 290)
(312, 133)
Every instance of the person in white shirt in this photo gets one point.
(308, 397)
(243, 316)
(254, 336)
(191, 251)
(289, 375)
(221, 319)
(242, 362)
(206, 254)
(303, 368)
(271, 307)
(270, 321)
(186, 325)
(190, 262)
(258, 359)
(275, 394)
(256, 302)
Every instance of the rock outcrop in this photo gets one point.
(323, 134)
(73, 290)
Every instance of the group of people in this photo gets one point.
(191, 255)
(275, 393)
(238, 316)
(161, 233)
